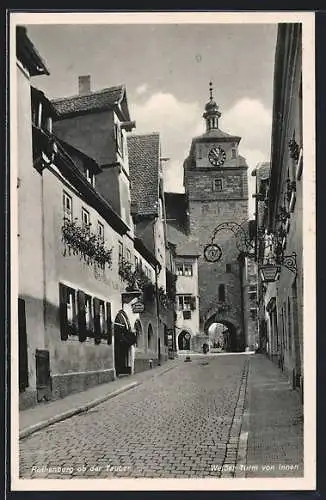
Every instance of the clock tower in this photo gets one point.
(216, 186)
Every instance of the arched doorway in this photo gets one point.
(124, 338)
(184, 341)
(222, 335)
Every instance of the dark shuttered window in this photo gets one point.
(97, 321)
(109, 323)
(23, 357)
(81, 316)
(63, 297)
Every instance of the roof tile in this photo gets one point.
(94, 101)
(144, 163)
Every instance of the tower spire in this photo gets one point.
(212, 113)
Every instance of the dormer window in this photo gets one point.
(90, 176)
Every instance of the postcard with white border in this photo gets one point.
(162, 251)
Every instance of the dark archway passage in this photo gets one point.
(184, 341)
(222, 335)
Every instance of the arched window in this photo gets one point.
(138, 332)
(150, 337)
(221, 293)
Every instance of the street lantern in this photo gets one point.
(269, 272)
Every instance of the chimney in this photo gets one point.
(84, 84)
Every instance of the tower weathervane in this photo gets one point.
(211, 90)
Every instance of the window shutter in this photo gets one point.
(22, 347)
(63, 297)
(97, 322)
(109, 322)
(81, 315)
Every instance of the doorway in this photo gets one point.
(184, 341)
(122, 344)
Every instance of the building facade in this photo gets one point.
(282, 233)
(90, 289)
(148, 213)
(187, 303)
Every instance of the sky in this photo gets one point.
(166, 69)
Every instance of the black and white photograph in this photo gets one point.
(162, 251)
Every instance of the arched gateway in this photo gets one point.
(224, 334)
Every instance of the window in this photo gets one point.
(186, 314)
(67, 206)
(136, 262)
(221, 293)
(233, 153)
(99, 320)
(252, 291)
(88, 313)
(68, 311)
(184, 269)
(120, 250)
(102, 317)
(187, 270)
(253, 314)
(184, 302)
(90, 176)
(217, 185)
(100, 230)
(128, 255)
(71, 306)
(119, 139)
(85, 217)
(228, 268)
(179, 269)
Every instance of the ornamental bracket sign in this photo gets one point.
(138, 307)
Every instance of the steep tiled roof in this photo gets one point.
(93, 101)
(144, 163)
(218, 133)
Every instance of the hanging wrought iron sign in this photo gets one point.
(212, 253)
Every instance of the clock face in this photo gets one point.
(217, 156)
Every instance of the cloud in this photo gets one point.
(142, 89)
(179, 121)
(249, 119)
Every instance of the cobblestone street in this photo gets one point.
(185, 423)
